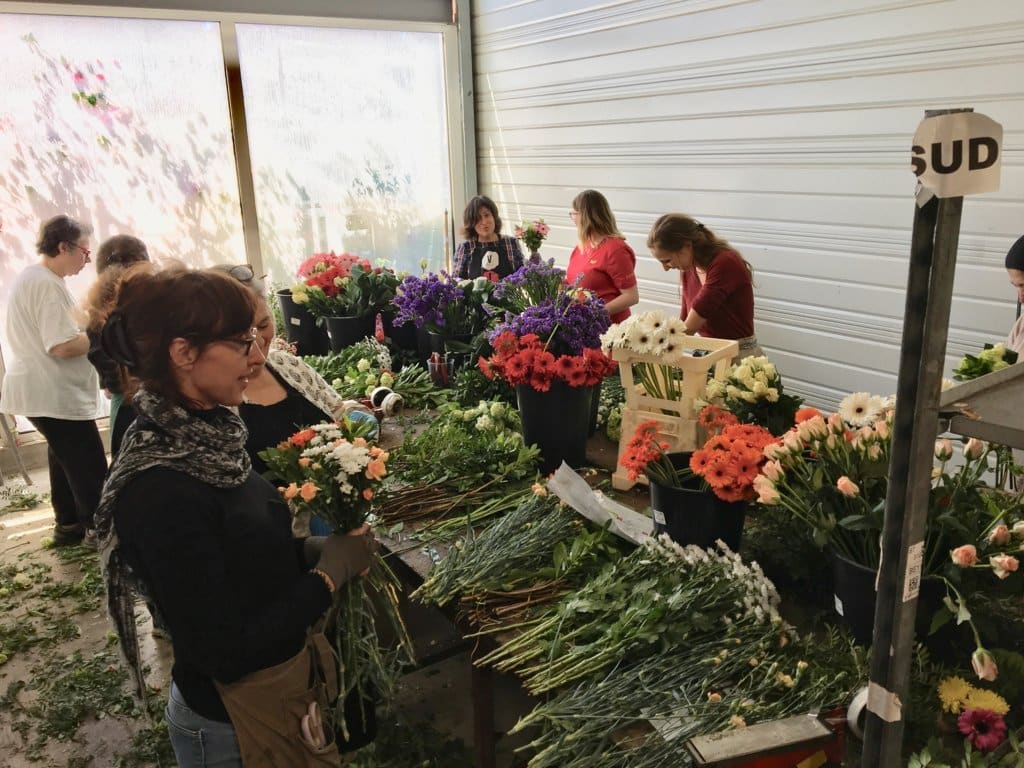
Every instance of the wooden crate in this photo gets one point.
(677, 419)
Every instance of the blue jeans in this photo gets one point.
(198, 741)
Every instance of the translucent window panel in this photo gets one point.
(124, 124)
(349, 143)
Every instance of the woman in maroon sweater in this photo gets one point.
(717, 285)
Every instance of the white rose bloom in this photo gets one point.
(714, 390)
(770, 370)
(772, 396)
(759, 388)
(363, 365)
(497, 410)
(761, 376)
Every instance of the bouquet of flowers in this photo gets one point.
(337, 479)
(359, 291)
(554, 336)
(652, 333)
(527, 360)
(978, 732)
(728, 463)
(323, 271)
(533, 233)
(528, 286)
(443, 305)
(993, 357)
(753, 392)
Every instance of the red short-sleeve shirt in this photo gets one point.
(607, 270)
(725, 301)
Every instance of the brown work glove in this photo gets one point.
(312, 547)
(345, 557)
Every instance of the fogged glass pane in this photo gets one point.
(123, 124)
(349, 146)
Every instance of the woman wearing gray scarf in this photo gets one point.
(184, 518)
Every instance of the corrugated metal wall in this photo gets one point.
(784, 125)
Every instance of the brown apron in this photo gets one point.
(266, 708)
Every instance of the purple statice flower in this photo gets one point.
(567, 325)
(430, 300)
(529, 285)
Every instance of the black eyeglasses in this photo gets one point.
(246, 342)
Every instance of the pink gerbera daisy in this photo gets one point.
(984, 729)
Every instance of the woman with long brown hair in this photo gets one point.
(717, 283)
(602, 261)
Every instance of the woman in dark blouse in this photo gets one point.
(485, 252)
(184, 518)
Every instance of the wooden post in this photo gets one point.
(915, 427)
(447, 246)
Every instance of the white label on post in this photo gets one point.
(957, 154)
(659, 516)
(296, 321)
(912, 578)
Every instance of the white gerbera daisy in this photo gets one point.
(860, 409)
(639, 339)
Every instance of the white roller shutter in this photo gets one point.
(784, 125)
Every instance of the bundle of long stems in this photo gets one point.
(712, 684)
(495, 611)
(429, 502)
(517, 546)
(450, 527)
(656, 599)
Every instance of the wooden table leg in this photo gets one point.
(482, 684)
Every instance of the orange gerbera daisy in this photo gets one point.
(719, 472)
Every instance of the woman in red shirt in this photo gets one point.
(718, 290)
(602, 256)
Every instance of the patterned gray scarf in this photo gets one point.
(164, 435)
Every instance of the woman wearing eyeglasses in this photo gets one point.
(717, 283)
(113, 258)
(49, 379)
(602, 257)
(184, 518)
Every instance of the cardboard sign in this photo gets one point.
(958, 154)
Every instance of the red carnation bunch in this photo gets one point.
(526, 360)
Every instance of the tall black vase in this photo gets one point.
(301, 327)
(693, 514)
(346, 331)
(556, 421)
(853, 587)
(403, 336)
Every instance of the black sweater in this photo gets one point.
(226, 574)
